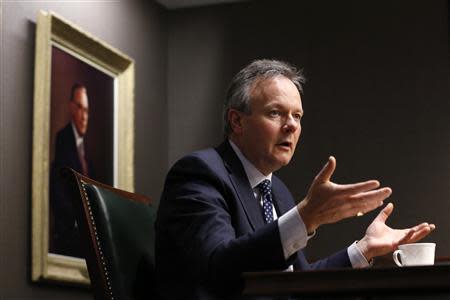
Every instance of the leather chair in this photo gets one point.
(117, 234)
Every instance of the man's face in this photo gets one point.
(269, 134)
(79, 110)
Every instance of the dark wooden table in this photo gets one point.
(349, 281)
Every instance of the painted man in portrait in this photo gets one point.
(70, 151)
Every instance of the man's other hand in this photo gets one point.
(380, 239)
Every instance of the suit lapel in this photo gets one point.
(241, 185)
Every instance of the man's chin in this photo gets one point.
(82, 132)
(281, 162)
(284, 158)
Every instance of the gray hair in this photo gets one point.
(239, 92)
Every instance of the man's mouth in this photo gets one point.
(285, 144)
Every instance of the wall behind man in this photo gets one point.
(138, 29)
(376, 98)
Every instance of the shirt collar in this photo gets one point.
(253, 174)
(78, 138)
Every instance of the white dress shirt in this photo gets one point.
(78, 138)
(293, 234)
(79, 142)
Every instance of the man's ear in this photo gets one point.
(236, 120)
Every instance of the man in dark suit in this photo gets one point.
(223, 212)
(69, 152)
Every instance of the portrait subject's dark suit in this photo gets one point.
(65, 237)
(210, 229)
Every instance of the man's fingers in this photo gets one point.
(355, 188)
(385, 212)
(416, 233)
(327, 170)
(367, 201)
(379, 194)
(352, 208)
(420, 226)
(407, 238)
(345, 207)
(423, 225)
(417, 236)
(422, 232)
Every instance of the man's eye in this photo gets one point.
(297, 116)
(274, 113)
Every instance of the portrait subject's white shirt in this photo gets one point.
(293, 234)
(78, 140)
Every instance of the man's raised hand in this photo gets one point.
(328, 202)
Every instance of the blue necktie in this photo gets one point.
(266, 194)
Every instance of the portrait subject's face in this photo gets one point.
(269, 134)
(79, 109)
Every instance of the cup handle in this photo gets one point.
(395, 256)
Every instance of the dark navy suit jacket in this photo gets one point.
(64, 236)
(210, 229)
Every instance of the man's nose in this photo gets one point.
(291, 124)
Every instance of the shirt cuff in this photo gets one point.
(292, 232)
(357, 259)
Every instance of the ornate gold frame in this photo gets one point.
(51, 30)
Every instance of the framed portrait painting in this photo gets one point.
(81, 85)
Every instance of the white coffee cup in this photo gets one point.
(418, 254)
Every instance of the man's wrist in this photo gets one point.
(364, 247)
(310, 227)
(357, 258)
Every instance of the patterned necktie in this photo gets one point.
(266, 194)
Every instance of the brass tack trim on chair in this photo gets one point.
(99, 247)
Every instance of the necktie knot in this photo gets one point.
(264, 187)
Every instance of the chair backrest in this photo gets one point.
(117, 233)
